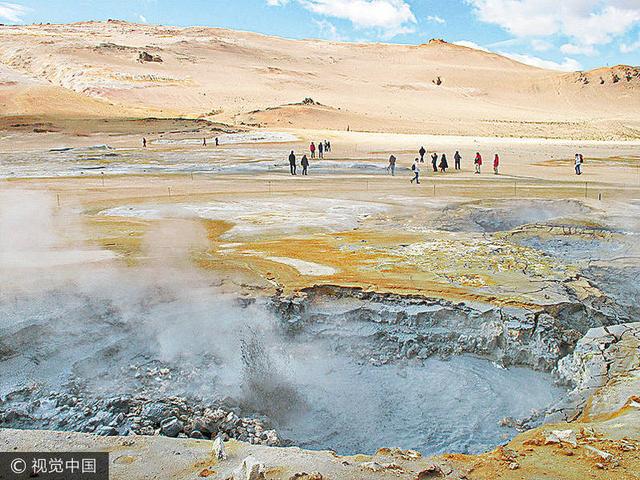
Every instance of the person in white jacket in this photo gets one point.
(578, 164)
(416, 171)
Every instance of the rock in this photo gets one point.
(432, 471)
(171, 427)
(197, 434)
(147, 57)
(106, 431)
(379, 467)
(562, 436)
(514, 466)
(600, 454)
(306, 476)
(250, 469)
(154, 412)
(218, 448)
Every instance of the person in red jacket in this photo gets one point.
(312, 149)
(478, 162)
(496, 164)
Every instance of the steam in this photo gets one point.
(70, 310)
(100, 315)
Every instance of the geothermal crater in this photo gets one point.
(333, 368)
(147, 350)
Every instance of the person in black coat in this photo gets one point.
(444, 164)
(292, 163)
(434, 162)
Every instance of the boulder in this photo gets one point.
(171, 427)
(562, 436)
(147, 57)
(218, 448)
(250, 469)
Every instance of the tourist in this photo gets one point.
(578, 166)
(434, 162)
(416, 171)
(144, 142)
(443, 163)
(328, 149)
(392, 166)
(320, 150)
(312, 149)
(478, 162)
(422, 151)
(305, 165)
(457, 157)
(217, 141)
(204, 142)
(496, 164)
(292, 163)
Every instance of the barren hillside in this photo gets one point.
(117, 69)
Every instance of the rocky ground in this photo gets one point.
(601, 442)
(99, 267)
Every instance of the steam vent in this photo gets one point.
(237, 256)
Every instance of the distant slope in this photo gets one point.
(117, 68)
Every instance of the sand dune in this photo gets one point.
(111, 69)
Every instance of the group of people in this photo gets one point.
(322, 147)
(443, 164)
(293, 167)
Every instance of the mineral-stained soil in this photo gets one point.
(190, 291)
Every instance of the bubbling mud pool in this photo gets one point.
(435, 406)
(314, 389)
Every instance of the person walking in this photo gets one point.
(144, 142)
(578, 165)
(496, 164)
(217, 143)
(320, 150)
(312, 149)
(328, 149)
(305, 165)
(204, 142)
(422, 151)
(456, 158)
(478, 162)
(416, 171)
(392, 166)
(443, 163)
(292, 163)
(434, 162)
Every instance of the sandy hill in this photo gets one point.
(111, 69)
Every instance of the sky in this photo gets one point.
(560, 34)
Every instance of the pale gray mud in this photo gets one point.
(154, 362)
(116, 351)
